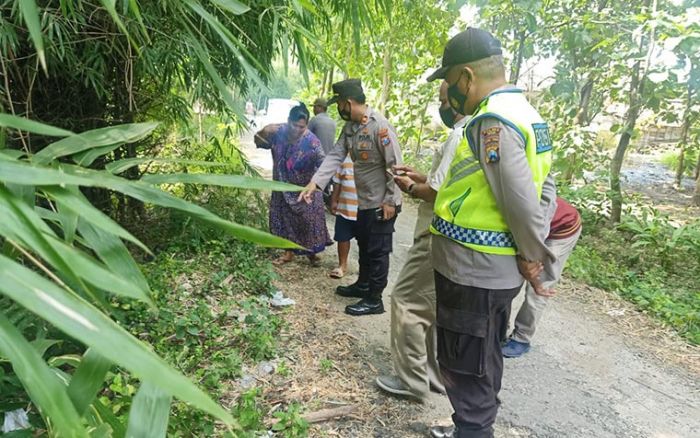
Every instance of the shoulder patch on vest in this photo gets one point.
(491, 139)
(384, 139)
(542, 139)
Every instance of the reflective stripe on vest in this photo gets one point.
(465, 208)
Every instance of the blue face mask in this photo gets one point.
(455, 98)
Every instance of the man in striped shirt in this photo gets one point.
(344, 207)
(564, 231)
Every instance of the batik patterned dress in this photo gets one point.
(296, 163)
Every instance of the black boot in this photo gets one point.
(356, 290)
(371, 305)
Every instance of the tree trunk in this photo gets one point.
(584, 102)
(324, 82)
(635, 106)
(696, 194)
(681, 165)
(386, 80)
(682, 142)
(630, 122)
(419, 138)
(515, 70)
(329, 89)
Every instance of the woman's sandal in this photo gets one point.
(281, 260)
(337, 273)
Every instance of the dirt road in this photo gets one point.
(597, 368)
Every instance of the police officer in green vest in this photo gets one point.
(487, 221)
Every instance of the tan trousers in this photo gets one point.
(413, 331)
(533, 307)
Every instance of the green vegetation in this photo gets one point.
(646, 259)
(671, 161)
(208, 321)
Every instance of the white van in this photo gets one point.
(278, 110)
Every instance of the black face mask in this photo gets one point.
(448, 116)
(345, 114)
(455, 97)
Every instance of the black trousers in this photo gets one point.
(374, 239)
(471, 324)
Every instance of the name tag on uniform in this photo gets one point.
(542, 138)
(364, 145)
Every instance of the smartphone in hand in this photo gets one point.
(392, 174)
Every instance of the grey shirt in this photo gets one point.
(512, 184)
(373, 148)
(324, 128)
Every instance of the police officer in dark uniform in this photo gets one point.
(374, 148)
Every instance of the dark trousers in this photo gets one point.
(374, 240)
(471, 323)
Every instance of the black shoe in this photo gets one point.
(442, 431)
(365, 306)
(353, 290)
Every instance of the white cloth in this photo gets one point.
(444, 155)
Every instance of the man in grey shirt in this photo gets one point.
(372, 144)
(475, 283)
(322, 125)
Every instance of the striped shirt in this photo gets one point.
(347, 201)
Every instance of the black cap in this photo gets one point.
(471, 45)
(348, 88)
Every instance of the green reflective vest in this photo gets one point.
(465, 208)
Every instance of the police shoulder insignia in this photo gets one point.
(491, 139)
(384, 137)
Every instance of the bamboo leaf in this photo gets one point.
(86, 158)
(95, 274)
(119, 166)
(237, 181)
(79, 319)
(88, 380)
(41, 345)
(42, 385)
(69, 222)
(30, 13)
(149, 413)
(226, 95)
(22, 223)
(104, 415)
(233, 6)
(14, 122)
(113, 253)
(11, 154)
(230, 40)
(78, 204)
(96, 138)
(22, 173)
(112, 10)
